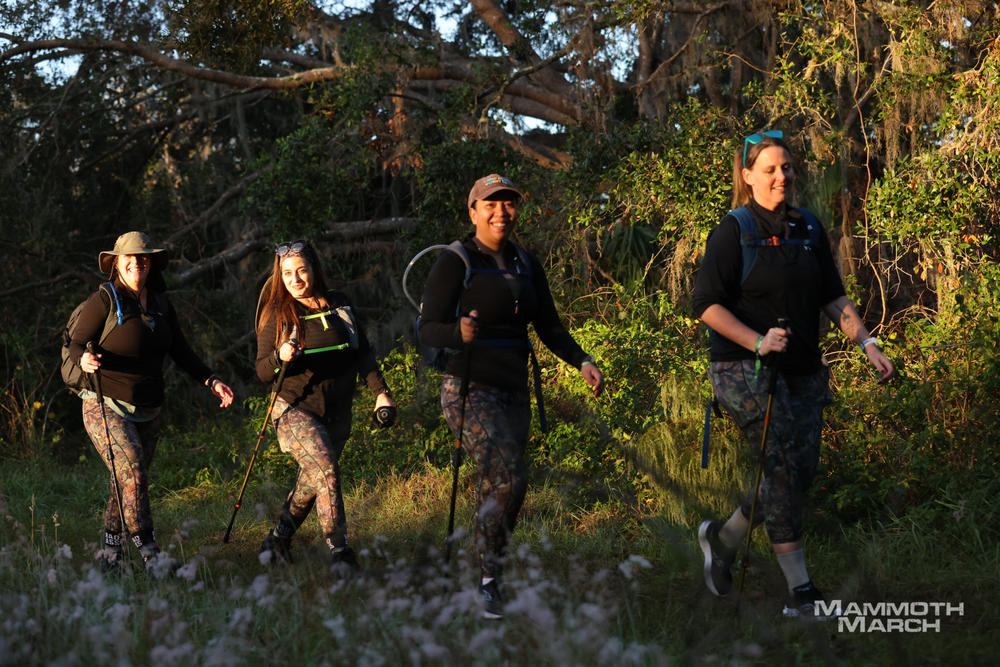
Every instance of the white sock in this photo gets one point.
(733, 533)
(793, 564)
(487, 580)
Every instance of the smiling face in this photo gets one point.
(495, 218)
(134, 270)
(770, 177)
(297, 276)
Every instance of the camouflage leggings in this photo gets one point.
(793, 438)
(494, 434)
(132, 445)
(316, 447)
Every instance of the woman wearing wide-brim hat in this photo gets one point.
(127, 359)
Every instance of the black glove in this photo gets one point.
(384, 417)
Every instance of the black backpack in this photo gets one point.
(72, 375)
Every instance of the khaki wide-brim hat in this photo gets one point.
(132, 243)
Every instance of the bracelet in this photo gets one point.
(867, 341)
(588, 360)
(211, 380)
(756, 348)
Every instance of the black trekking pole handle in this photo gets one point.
(253, 456)
(107, 437)
(772, 387)
(456, 459)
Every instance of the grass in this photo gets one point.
(598, 585)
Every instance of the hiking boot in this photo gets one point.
(492, 600)
(718, 558)
(344, 560)
(802, 603)
(158, 563)
(275, 550)
(111, 557)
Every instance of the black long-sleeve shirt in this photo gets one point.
(133, 353)
(317, 382)
(791, 281)
(502, 315)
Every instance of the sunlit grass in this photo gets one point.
(587, 585)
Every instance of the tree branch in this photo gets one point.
(168, 63)
(228, 256)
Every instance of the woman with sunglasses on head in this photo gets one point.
(315, 332)
(128, 362)
(769, 262)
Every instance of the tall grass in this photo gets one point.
(599, 585)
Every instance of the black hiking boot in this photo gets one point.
(344, 561)
(275, 550)
(492, 600)
(111, 556)
(718, 558)
(802, 604)
(158, 563)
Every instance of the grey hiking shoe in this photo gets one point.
(275, 550)
(802, 603)
(492, 600)
(718, 558)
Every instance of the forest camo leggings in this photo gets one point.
(132, 445)
(495, 434)
(316, 448)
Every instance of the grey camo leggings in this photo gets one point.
(495, 434)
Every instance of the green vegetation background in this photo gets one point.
(605, 562)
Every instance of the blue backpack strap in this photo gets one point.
(749, 239)
(812, 226)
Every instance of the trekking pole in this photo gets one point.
(771, 388)
(260, 438)
(456, 458)
(107, 436)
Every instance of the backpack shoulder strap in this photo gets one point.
(749, 239)
(524, 260)
(115, 315)
(812, 224)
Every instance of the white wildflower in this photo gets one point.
(188, 570)
(336, 628)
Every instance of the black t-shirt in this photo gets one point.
(325, 376)
(502, 315)
(791, 281)
(133, 353)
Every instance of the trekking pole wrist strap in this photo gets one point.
(756, 347)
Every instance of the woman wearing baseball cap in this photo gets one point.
(487, 320)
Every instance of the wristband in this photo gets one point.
(867, 341)
(588, 360)
(211, 380)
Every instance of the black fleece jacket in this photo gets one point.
(791, 281)
(503, 316)
(319, 382)
(133, 353)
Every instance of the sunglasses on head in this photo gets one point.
(758, 137)
(293, 247)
